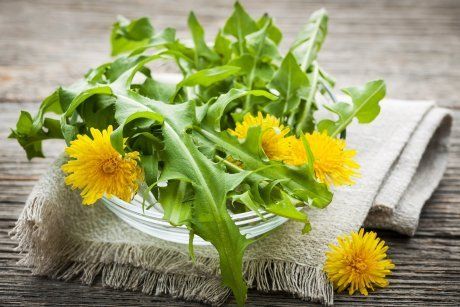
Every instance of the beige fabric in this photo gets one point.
(62, 239)
(414, 176)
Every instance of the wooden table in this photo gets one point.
(413, 45)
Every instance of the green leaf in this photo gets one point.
(51, 104)
(302, 184)
(31, 139)
(253, 144)
(274, 33)
(365, 107)
(239, 25)
(286, 208)
(261, 46)
(178, 138)
(271, 193)
(166, 39)
(149, 164)
(177, 208)
(206, 77)
(223, 46)
(183, 161)
(55, 103)
(247, 199)
(98, 111)
(126, 114)
(129, 35)
(216, 110)
(289, 80)
(309, 41)
(97, 75)
(100, 89)
(210, 218)
(202, 49)
(244, 62)
(125, 79)
(157, 90)
(119, 66)
(310, 157)
(262, 49)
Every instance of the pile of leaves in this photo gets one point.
(180, 130)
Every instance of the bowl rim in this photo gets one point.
(245, 216)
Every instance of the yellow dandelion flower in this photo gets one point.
(333, 164)
(274, 142)
(358, 262)
(97, 169)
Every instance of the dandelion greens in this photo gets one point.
(238, 128)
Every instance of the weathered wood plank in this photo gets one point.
(413, 45)
(405, 42)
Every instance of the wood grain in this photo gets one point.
(413, 45)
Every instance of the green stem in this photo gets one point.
(305, 64)
(229, 164)
(309, 102)
(247, 103)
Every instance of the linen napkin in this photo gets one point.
(402, 156)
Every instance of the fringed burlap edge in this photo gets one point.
(53, 255)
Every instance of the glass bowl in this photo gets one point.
(151, 222)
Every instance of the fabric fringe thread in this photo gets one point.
(122, 266)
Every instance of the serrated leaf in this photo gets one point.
(210, 219)
(128, 35)
(365, 107)
(31, 139)
(28, 125)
